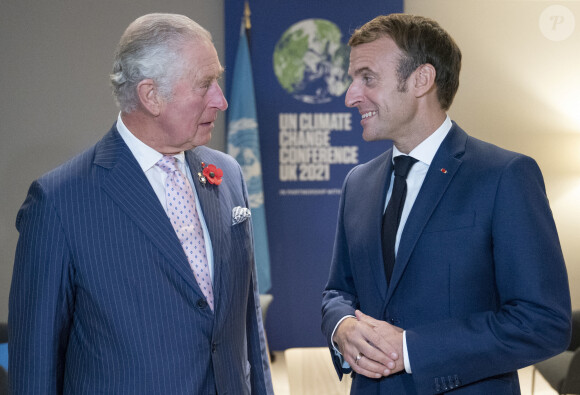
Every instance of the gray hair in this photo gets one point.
(151, 48)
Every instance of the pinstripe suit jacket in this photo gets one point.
(103, 299)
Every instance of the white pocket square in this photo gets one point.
(240, 214)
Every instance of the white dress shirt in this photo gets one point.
(424, 153)
(147, 158)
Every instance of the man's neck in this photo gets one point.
(143, 128)
(420, 131)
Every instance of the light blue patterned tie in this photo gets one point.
(185, 220)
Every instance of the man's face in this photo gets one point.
(187, 119)
(386, 106)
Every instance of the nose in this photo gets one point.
(353, 95)
(218, 99)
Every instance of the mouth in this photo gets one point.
(368, 114)
(208, 123)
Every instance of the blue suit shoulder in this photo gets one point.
(71, 172)
(215, 157)
(491, 154)
(372, 166)
(486, 161)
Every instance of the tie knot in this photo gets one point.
(168, 164)
(403, 164)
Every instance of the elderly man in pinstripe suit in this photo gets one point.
(106, 297)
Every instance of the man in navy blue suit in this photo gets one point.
(106, 297)
(477, 286)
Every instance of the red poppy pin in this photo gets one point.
(211, 174)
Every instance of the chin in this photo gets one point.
(203, 141)
(370, 137)
(375, 134)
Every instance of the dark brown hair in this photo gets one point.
(422, 40)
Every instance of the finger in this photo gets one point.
(378, 343)
(363, 338)
(369, 368)
(361, 344)
(379, 362)
(366, 318)
(379, 334)
(373, 322)
(377, 357)
(386, 348)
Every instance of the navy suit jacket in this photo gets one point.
(479, 282)
(103, 300)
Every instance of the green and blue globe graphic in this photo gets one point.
(311, 62)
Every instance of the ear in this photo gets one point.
(424, 79)
(149, 96)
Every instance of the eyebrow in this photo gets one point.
(209, 79)
(362, 70)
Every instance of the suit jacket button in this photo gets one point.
(213, 347)
(201, 303)
(451, 382)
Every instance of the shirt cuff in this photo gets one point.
(343, 363)
(406, 354)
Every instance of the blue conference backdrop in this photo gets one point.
(308, 141)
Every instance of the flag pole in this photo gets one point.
(247, 21)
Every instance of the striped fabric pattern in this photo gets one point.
(103, 299)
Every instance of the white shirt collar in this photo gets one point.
(425, 152)
(146, 156)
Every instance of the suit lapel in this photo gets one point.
(448, 157)
(129, 188)
(211, 202)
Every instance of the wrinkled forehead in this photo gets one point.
(202, 61)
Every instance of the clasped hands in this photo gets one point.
(372, 348)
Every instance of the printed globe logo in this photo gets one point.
(311, 62)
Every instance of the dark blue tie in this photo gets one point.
(392, 215)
